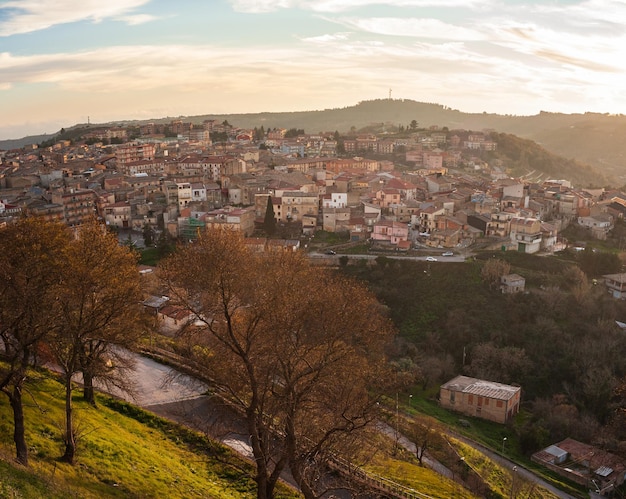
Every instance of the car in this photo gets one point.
(331, 252)
(447, 253)
(431, 259)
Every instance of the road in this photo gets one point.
(439, 259)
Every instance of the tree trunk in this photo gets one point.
(18, 426)
(261, 469)
(70, 443)
(296, 468)
(88, 391)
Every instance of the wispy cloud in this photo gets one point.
(413, 27)
(590, 51)
(258, 6)
(328, 38)
(25, 16)
(134, 20)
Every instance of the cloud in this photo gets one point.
(589, 14)
(327, 38)
(259, 6)
(596, 52)
(414, 27)
(25, 16)
(137, 19)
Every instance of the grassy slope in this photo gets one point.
(118, 456)
(127, 452)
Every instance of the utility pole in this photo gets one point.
(397, 424)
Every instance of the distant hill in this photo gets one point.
(592, 138)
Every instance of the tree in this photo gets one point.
(293, 132)
(413, 124)
(148, 234)
(298, 362)
(507, 364)
(423, 432)
(493, 269)
(164, 244)
(97, 316)
(30, 263)
(269, 223)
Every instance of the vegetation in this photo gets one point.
(559, 340)
(313, 399)
(524, 157)
(95, 318)
(31, 260)
(74, 296)
(269, 223)
(123, 451)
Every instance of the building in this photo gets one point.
(483, 399)
(78, 205)
(237, 219)
(118, 215)
(512, 283)
(134, 152)
(526, 234)
(390, 232)
(616, 285)
(585, 464)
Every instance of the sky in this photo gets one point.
(65, 62)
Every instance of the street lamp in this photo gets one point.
(503, 442)
(410, 399)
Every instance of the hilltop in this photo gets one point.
(592, 138)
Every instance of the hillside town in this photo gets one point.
(430, 188)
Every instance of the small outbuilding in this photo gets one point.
(484, 399)
(512, 283)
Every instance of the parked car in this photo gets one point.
(330, 252)
(447, 253)
(431, 259)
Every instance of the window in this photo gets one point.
(452, 394)
(498, 403)
(470, 400)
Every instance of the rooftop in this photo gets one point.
(481, 387)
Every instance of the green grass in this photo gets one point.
(123, 451)
(487, 433)
(413, 476)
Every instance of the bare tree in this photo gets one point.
(295, 347)
(505, 364)
(97, 315)
(30, 259)
(493, 269)
(423, 432)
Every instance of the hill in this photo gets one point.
(593, 138)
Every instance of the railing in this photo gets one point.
(376, 482)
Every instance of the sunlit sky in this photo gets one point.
(64, 62)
